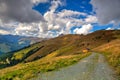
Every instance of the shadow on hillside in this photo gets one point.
(12, 62)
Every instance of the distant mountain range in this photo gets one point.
(10, 43)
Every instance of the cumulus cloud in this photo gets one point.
(107, 10)
(70, 13)
(85, 29)
(32, 29)
(110, 28)
(4, 32)
(39, 1)
(63, 19)
(19, 11)
(56, 23)
(91, 19)
(55, 4)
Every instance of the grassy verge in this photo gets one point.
(29, 70)
(114, 60)
(111, 51)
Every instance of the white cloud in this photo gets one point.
(4, 32)
(39, 1)
(70, 13)
(55, 4)
(110, 28)
(85, 29)
(91, 19)
(32, 29)
(63, 20)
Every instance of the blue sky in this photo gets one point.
(50, 18)
(75, 5)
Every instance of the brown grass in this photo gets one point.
(79, 42)
(112, 52)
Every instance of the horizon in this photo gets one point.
(50, 18)
(59, 35)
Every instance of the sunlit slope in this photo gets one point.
(73, 44)
(62, 45)
(24, 71)
(52, 54)
(112, 52)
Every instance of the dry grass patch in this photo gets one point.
(112, 53)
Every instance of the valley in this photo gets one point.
(9, 43)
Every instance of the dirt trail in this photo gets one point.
(93, 67)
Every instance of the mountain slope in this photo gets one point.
(62, 45)
(112, 52)
(73, 44)
(53, 53)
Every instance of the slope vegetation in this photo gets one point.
(112, 52)
(52, 54)
(63, 45)
(73, 44)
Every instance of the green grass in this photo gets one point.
(21, 54)
(13, 57)
(29, 70)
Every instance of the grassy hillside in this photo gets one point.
(31, 69)
(13, 58)
(73, 43)
(62, 45)
(53, 54)
(112, 52)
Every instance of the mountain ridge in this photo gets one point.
(10, 43)
(44, 52)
